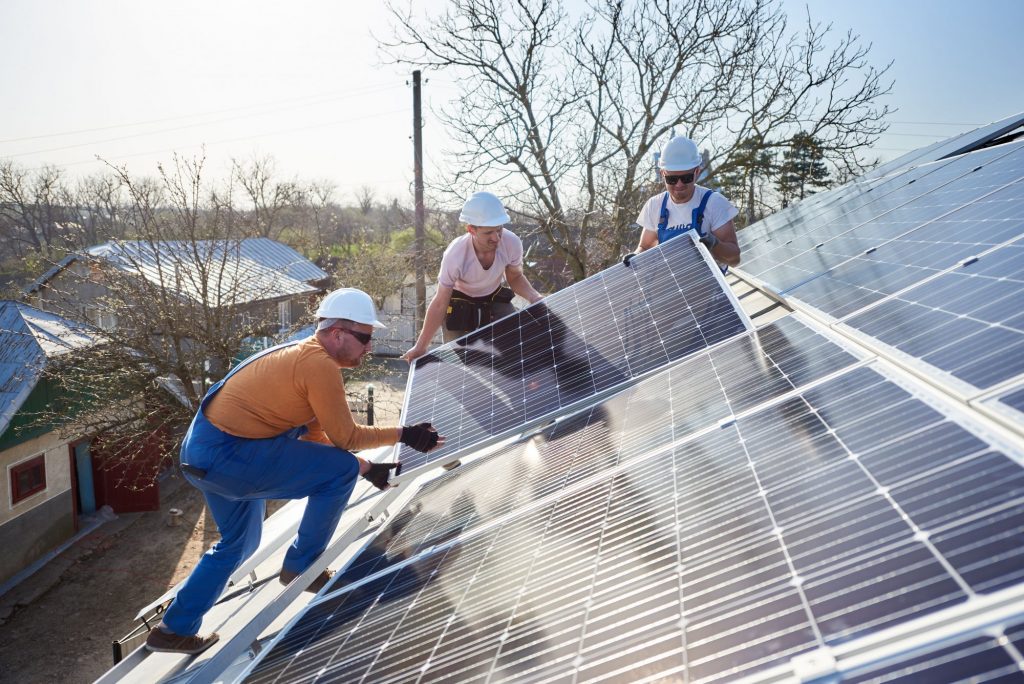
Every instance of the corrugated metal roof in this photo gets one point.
(280, 256)
(250, 270)
(28, 338)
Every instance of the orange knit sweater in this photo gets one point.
(297, 385)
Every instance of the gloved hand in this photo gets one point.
(421, 437)
(627, 258)
(379, 472)
(709, 240)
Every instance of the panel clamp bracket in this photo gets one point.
(817, 667)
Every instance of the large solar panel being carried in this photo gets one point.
(652, 490)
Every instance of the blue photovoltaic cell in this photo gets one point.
(596, 335)
(825, 517)
(1014, 399)
(968, 321)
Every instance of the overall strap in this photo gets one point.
(698, 213)
(663, 219)
(220, 383)
(259, 355)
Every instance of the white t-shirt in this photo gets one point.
(717, 213)
(461, 269)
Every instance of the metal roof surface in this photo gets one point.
(28, 338)
(255, 269)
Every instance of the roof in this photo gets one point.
(261, 268)
(28, 339)
(249, 278)
(274, 254)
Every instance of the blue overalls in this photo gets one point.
(696, 222)
(240, 475)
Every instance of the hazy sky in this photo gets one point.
(133, 81)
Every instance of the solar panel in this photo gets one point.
(978, 659)
(810, 222)
(613, 327)
(813, 520)
(931, 203)
(958, 144)
(967, 322)
(885, 268)
(732, 378)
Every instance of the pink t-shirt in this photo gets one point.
(461, 269)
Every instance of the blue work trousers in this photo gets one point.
(240, 475)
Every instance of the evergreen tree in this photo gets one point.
(803, 169)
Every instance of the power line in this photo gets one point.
(230, 140)
(936, 123)
(321, 98)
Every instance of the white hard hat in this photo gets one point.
(680, 154)
(350, 304)
(483, 209)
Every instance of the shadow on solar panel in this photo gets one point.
(588, 339)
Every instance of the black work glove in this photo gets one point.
(709, 240)
(379, 472)
(421, 437)
(626, 258)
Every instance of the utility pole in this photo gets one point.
(417, 145)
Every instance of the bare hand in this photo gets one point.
(413, 354)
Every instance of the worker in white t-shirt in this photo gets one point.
(685, 206)
(469, 291)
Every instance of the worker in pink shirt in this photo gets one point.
(470, 294)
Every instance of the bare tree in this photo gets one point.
(33, 209)
(374, 268)
(324, 213)
(365, 198)
(270, 198)
(564, 114)
(173, 306)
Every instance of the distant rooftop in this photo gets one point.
(28, 339)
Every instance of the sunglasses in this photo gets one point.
(361, 337)
(687, 178)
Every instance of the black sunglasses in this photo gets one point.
(687, 178)
(361, 337)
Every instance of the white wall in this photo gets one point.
(58, 473)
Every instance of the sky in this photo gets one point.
(134, 82)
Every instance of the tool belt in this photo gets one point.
(470, 313)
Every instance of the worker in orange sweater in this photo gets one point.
(278, 426)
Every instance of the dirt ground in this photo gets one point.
(64, 633)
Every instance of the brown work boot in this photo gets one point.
(160, 641)
(316, 585)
